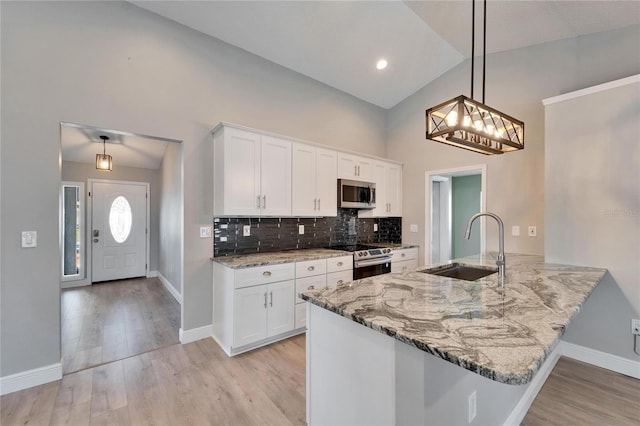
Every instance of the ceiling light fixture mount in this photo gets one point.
(466, 123)
(381, 64)
(104, 162)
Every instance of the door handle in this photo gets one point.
(95, 240)
(311, 268)
(96, 232)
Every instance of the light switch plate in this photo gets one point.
(532, 231)
(515, 231)
(205, 232)
(301, 229)
(246, 230)
(29, 239)
(413, 227)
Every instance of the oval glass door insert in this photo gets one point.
(120, 219)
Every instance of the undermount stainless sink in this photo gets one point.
(460, 271)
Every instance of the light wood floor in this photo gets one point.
(580, 394)
(192, 384)
(109, 321)
(197, 384)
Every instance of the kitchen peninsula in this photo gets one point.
(415, 348)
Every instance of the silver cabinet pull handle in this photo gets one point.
(315, 203)
(403, 254)
(258, 201)
(271, 300)
(339, 282)
(318, 203)
(358, 170)
(265, 300)
(264, 201)
(267, 273)
(340, 263)
(355, 170)
(311, 287)
(311, 268)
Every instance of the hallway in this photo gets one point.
(115, 320)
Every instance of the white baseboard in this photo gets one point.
(167, 284)
(522, 407)
(600, 359)
(188, 336)
(152, 274)
(30, 378)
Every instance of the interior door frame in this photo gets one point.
(430, 177)
(88, 234)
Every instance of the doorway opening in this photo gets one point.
(125, 297)
(453, 196)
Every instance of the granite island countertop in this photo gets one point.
(504, 335)
(274, 258)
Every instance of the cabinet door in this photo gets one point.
(365, 169)
(347, 166)
(250, 314)
(327, 182)
(280, 312)
(394, 190)
(241, 176)
(407, 265)
(275, 177)
(303, 181)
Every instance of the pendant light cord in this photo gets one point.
(473, 41)
(484, 47)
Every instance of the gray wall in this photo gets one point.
(115, 66)
(465, 202)
(517, 81)
(592, 208)
(80, 172)
(170, 256)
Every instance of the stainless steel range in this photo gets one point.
(368, 260)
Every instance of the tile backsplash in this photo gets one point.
(277, 234)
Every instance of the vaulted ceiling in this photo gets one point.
(339, 42)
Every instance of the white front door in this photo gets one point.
(118, 230)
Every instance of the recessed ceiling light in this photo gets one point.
(382, 64)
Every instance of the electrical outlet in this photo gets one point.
(301, 229)
(205, 232)
(515, 231)
(635, 327)
(246, 230)
(223, 239)
(472, 406)
(375, 227)
(413, 227)
(533, 231)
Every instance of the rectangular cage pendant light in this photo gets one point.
(469, 124)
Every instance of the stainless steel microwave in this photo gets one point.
(353, 194)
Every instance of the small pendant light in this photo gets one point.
(104, 162)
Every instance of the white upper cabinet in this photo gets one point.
(252, 174)
(388, 180)
(354, 167)
(314, 181)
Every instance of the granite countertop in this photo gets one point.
(502, 334)
(262, 259)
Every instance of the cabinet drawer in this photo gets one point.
(335, 278)
(342, 263)
(401, 255)
(301, 315)
(407, 265)
(311, 267)
(247, 277)
(309, 283)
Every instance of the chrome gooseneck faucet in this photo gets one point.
(467, 235)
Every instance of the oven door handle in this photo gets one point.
(371, 262)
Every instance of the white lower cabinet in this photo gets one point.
(403, 260)
(256, 306)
